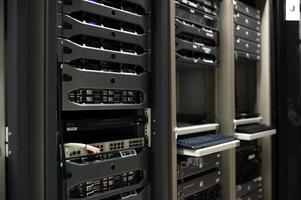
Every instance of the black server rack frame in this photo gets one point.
(160, 113)
(82, 88)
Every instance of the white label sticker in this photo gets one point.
(252, 156)
(292, 8)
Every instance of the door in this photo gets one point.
(287, 101)
(2, 102)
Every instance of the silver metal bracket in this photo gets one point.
(7, 135)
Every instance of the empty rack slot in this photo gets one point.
(105, 184)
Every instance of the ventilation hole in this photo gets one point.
(67, 50)
(113, 12)
(113, 167)
(113, 34)
(68, 2)
(68, 26)
(67, 77)
(113, 56)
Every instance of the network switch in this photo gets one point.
(189, 166)
(73, 150)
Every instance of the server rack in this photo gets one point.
(225, 86)
(163, 81)
(43, 118)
